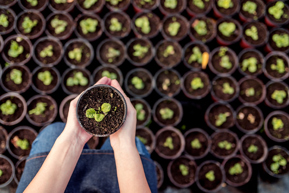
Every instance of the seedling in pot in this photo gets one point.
(196, 56)
(75, 54)
(281, 40)
(137, 82)
(278, 161)
(114, 2)
(108, 74)
(236, 169)
(45, 77)
(77, 79)
(277, 123)
(115, 25)
(88, 25)
(196, 144)
(47, 52)
(169, 51)
(140, 51)
(252, 148)
(225, 145)
(225, 60)
(210, 176)
(251, 64)
(252, 32)
(88, 3)
(279, 96)
(28, 24)
(277, 10)
(23, 144)
(227, 89)
(174, 27)
(16, 76)
(33, 2)
(197, 83)
(279, 67)
(184, 169)
(169, 143)
(39, 109)
(99, 114)
(8, 108)
(166, 113)
(15, 49)
(227, 28)
(58, 25)
(199, 3)
(112, 54)
(200, 27)
(4, 20)
(171, 4)
(226, 4)
(250, 7)
(221, 118)
(144, 24)
(249, 92)
(140, 112)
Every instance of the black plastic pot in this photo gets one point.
(25, 5)
(269, 20)
(221, 38)
(8, 182)
(160, 174)
(10, 27)
(3, 133)
(95, 8)
(7, 4)
(220, 12)
(148, 109)
(64, 103)
(246, 54)
(19, 168)
(110, 69)
(142, 8)
(270, 90)
(261, 30)
(183, 30)
(246, 16)
(150, 148)
(271, 45)
(194, 10)
(1, 43)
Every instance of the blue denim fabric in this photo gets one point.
(95, 170)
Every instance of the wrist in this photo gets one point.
(73, 137)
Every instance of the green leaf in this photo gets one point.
(115, 25)
(169, 143)
(46, 52)
(236, 169)
(144, 24)
(196, 144)
(277, 10)
(45, 77)
(169, 51)
(200, 27)
(250, 7)
(184, 169)
(196, 56)
(210, 175)
(4, 20)
(143, 140)
(90, 113)
(221, 119)
(28, 24)
(1, 172)
(39, 109)
(225, 145)
(88, 3)
(197, 83)
(140, 51)
(279, 96)
(277, 124)
(88, 25)
(58, 25)
(227, 89)
(99, 117)
(23, 144)
(227, 28)
(16, 76)
(15, 49)
(166, 113)
(8, 108)
(174, 28)
(252, 149)
(137, 82)
(226, 4)
(171, 4)
(105, 107)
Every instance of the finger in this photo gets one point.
(104, 80)
(116, 85)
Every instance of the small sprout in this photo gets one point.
(177, 82)
(196, 56)
(227, 89)
(39, 109)
(252, 149)
(227, 28)
(99, 117)
(210, 175)
(45, 77)
(225, 145)
(115, 108)
(112, 54)
(8, 108)
(199, 3)
(143, 140)
(277, 123)
(47, 52)
(279, 67)
(105, 107)
(236, 169)
(77, 79)
(251, 64)
(137, 82)
(252, 32)
(4, 20)
(140, 51)
(23, 144)
(197, 83)
(115, 25)
(200, 27)
(15, 49)
(281, 40)
(169, 51)
(221, 118)
(58, 25)
(226, 4)
(114, 2)
(75, 54)
(108, 74)
(28, 24)
(278, 160)
(144, 24)
(172, 4)
(196, 144)
(250, 7)
(1, 173)
(169, 143)
(184, 127)
(251, 118)
(140, 112)
(60, 1)
(184, 169)
(6, 64)
(174, 28)
(88, 3)
(166, 113)
(88, 25)
(279, 96)
(33, 2)
(90, 113)
(16, 76)
(249, 92)
(277, 10)
(225, 62)
(166, 84)
(143, 2)
(222, 51)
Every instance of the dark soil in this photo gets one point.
(202, 139)
(273, 60)
(280, 133)
(159, 174)
(251, 83)
(222, 137)
(172, 106)
(196, 9)
(120, 5)
(47, 114)
(6, 168)
(154, 22)
(250, 140)
(259, 10)
(174, 82)
(76, 89)
(146, 58)
(276, 86)
(262, 34)
(10, 19)
(44, 44)
(61, 6)
(6, 2)
(269, 160)
(125, 22)
(104, 51)
(19, 170)
(146, 80)
(39, 5)
(85, 54)
(283, 19)
(273, 44)
(162, 139)
(234, 35)
(145, 108)
(94, 7)
(3, 138)
(18, 112)
(218, 88)
(200, 91)
(63, 17)
(239, 178)
(145, 5)
(98, 75)
(39, 84)
(210, 28)
(189, 52)
(146, 135)
(229, 11)
(25, 54)
(253, 54)
(218, 109)
(178, 8)
(94, 98)
(216, 60)
(182, 30)
(8, 83)
(172, 59)
(32, 16)
(89, 35)
(204, 182)
(177, 174)
(244, 117)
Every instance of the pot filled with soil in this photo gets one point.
(210, 176)
(42, 109)
(167, 111)
(64, 107)
(76, 80)
(45, 80)
(255, 34)
(78, 53)
(252, 90)
(250, 62)
(88, 26)
(146, 136)
(140, 51)
(251, 10)
(249, 118)
(175, 27)
(226, 8)
(229, 31)
(3, 139)
(168, 53)
(196, 85)
(168, 7)
(276, 66)
(196, 56)
(33, 5)
(101, 110)
(277, 95)
(198, 143)
(160, 174)
(223, 61)
(108, 71)
(47, 51)
(117, 24)
(30, 23)
(63, 5)
(115, 5)
(139, 82)
(19, 169)
(254, 148)
(182, 171)
(199, 7)
(220, 116)
(278, 40)
(59, 25)
(168, 82)
(276, 126)
(277, 13)
(111, 52)
(143, 111)
(225, 88)
(13, 108)
(17, 49)
(20, 141)
(7, 3)
(202, 29)
(225, 144)
(16, 78)
(90, 6)
(7, 171)
(7, 20)
(276, 163)
(170, 143)
(238, 171)
(145, 5)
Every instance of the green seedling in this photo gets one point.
(200, 3)
(196, 56)
(140, 51)
(171, 4)
(279, 96)
(140, 112)
(225, 62)
(60, 1)
(252, 32)
(1, 173)
(277, 123)
(250, 64)
(88, 25)
(252, 149)
(99, 114)
(227, 28)
(144, 24)
(75, 54)
(143, 2)
(166, 113)
(114, 2)
(115, 25)
(108, 74)
(8, 108)
(112, 54)
(250, 7)
(279, 67)
(277, 10)
(278, 160)
(236, 169)
(174, 28)
(58, 25)
(23, 144)
(45, 77)
(169, 51)
(226, 4)
(281, 40)
(221, 118)
(197, 83)
(88, 3)
(4, 20)
(77, 79)
(249, 92)
(137, 82)
(47, 52)
(28, 24)
(33, 2)
(169, 143)
(210, 176)
(227, 89)
(39, 109)
(184, 169)
(222, 51)
(196, 144)
(200, 27)
(143, 140)
(225, 145)
(16, 76)
(15, 49)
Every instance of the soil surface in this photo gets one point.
(248, 118)
(162, 139)
(17, 113)
(251, 83)
(121, 5)
(3, 138)
(210, 28)
(273, 44)
(179, 7)
(177, 174)
(203, 141)
(21, 57)
(39, 84)
(182, 30)
(28, 5)
(280, 133)
(61, 6)
(93, 7)
(196, 10)
(250, 140)
(259, 11)
(222, 137)
(172, 106)
(200, 91)
(145, 5)
(204, 182)
(104, 51)
(218, 109)
(47, 115)
(262, 34)
(146, 80)
(172, 59)
(283, 19)
(273, 60)
(6, 168)
(239, 178)
(9, 84)
(218, 88)
(216, 60)
(269, 160)
(174, 82)
(48, 59)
